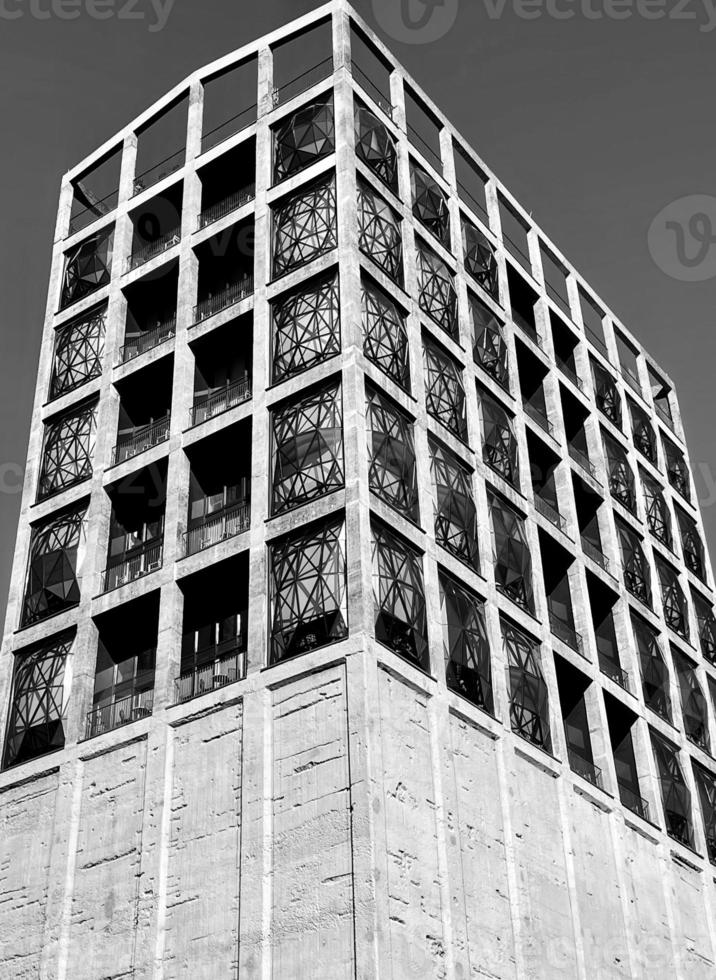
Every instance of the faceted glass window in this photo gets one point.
(79, 348)
(35, 724)
(675, 795)
(693, 702)
(706, 785)
(636, 567)
(52, 578)
(430, 204)
(511, 554)
(707, 627)
(438, 297)
(444, 391)
(489, 347)
(306, 327)
(676, 469)
(691, 544)
(306, 136)
(643, 433)
(499, 445)
(480, 259)
(391, 455)
(375, 146)
(455, 513)
(308, 448)
(529, 699)
(676, 610)
(657, 512)
(399, 597)
(69, 447)
(379, 232)
(385, 338)
(87, 267)
(621, 477)
(308, 604)
(607, 395)
(465, 644)
(304, 226)
(654, 673)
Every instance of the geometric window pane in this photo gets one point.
(52, 584)
(430, 205)
(621, 477)
(706, 785)
(691, 544)
(385, 338)
(676, 469)
(455, 513)
(499, 445)
(643, 433)
(529, 702)
(308, 591)
(480, 259)
(657, 512)
(306, 327)
(391, 455)
(467, 651)
(308, 448)
(707, 627)
(693, 702)
(78, 353)
(304, 138)
(607, 395)
(87, 267)
(675, 795)
(511, 554)
(304, 226)
(444, 392)
(399, 597)
(376, 147)
(489, 347)
(379, 232)
(36, 714)
(654, 673)
(69, 445)
(636, 567)
(438, 297)
(673, 600)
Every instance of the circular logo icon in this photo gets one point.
(415, 21)
(682, 238)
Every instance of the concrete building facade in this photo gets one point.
(361, 623)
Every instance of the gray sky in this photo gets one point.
(594, 123)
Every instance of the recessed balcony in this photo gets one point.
(141, 438)
(222, 299)
(133, 565)
(148, 340)
(227, 183)
(107, 717)
(217, 526)
(584, 768)
(225, 664)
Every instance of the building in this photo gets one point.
(361, 622)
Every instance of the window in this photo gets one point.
(707, 627)
(399, 597)
(489, 347)
(529, 699)
(68, 450)
(511, 554)
(706, 786)
(379, 234)
(465, 644)
(375, 146)
(675, 795)
(306, 327)
(607, 395)
(691, 544)
(303, 138)
(87, 267)
(676, 469)
(438, 297)
(391, 455)
(79, 349)
(673, 600)
(36, 718)
(479, 257)
(634, 563)
(444, 391)
(654, 673)
(693, 702)
(304, 226)
(657, 511)
(55, 563)
(308, 605)
(621, 477)
(455, 514)
(385, 337)
(499, 445)
(308, 448)
(643, 432)
(430, 204)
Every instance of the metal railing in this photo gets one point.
(148, 560)
(472, 202)
(664, 416)
(140, 439)
(231, 294)
(221, 401)
(570, 373)
(228, 204)
(597, 556)
(208, 140)
(369, 86)
(582, 460)
(148, 340)
(566, 633)
(614, 672)
(596, 341)
(431, 155)
(312, 76)
(93, 212)
(152, 249)
(169, 165)
(538, 416)
(225, 524)
(630, 379)
(225, 670)
(110, 716)
(551, 513)
(584, 768)
(632, 801)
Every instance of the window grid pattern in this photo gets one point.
(306, 328)
(399, 597)
(455, 512)
(654, 673)
(444, 391)
(675, 795)
(691, 544)
(529, 697)
(52, 578)
(465, 644)
(479, 259)
(305, 227)
(79, 350)
(430, 205)
(385, 338)
(693, 703)
(306, 136)
(375, 146)
(607, 395)
(512, 560)
(499, 443)
(438, 296)
(69, 447)
(87, 267)
(489, 346)
(620, 474)
(391, 453)
(657, 511)
(379, 234)
(673, 600)
(635, 564)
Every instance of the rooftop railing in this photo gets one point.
(369, 86)
(218, 527)
(107, 717)
(631, 379)
(582, 460)
(148, 340)
(584, 768)
(140, 439)
(144, 562)
(566, 633)
(216, 302)
(301, 83)
(229, 204)
(165, 168)
(230, 127)
(472, 202)
(632, 801)
(431, 155)
(221, 401)
(664, 416)
(94, 212)
(226, 669)
(152, 249)
(596, 341)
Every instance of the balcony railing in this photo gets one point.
(570, 373)
(614, 672)
(538, 416)
(93, 212)
(140, 439)
(142, 563)
(152, 249)
(231, 294)
(369, 86)
(227, 205)
(230, 127)
(596, 341)
(110, 716)
(148, 340)
(225, 670)
(169, 165)
(595, 554)
(566, 633)
(664, 416)
(550, 512)
(632, 801)
(304, 81)
(221, 401)
(581, 459)
(225, 524)
(584, 768)
(630, 379)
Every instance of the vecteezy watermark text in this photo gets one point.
(703, 11)
(157, 12)
(416, 21)
(682, 238)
